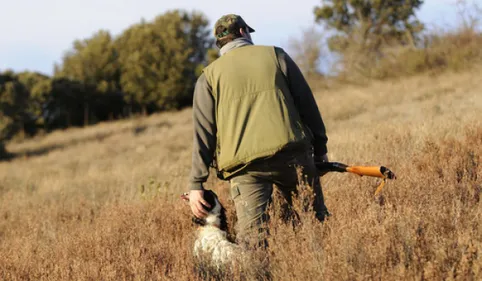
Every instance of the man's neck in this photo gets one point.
(236, 43)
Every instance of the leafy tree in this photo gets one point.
(212, 55)
(160, 60)
(137, 53)
(370, 23)
(307, 51)
(200, 42)
(38, 86)
(94, 62)
(13, 97)
(65, 103)
(196, 26)
(152, 65)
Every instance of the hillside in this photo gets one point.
(103, 202)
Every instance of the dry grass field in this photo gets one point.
(102, 203)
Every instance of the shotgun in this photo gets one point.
(371, 171)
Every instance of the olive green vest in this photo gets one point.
(255, 113)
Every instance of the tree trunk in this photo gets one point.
(22, 130)
(129, 110)
(410, 38)
(3, 151)
(86, 114)
(69, 123)
(144, 110)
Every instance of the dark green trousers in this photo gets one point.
(252, 189)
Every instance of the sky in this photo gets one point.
(35, 34)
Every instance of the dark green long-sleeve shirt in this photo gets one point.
(205, 122)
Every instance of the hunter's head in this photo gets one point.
(230, 27)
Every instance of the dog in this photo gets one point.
(212, 243)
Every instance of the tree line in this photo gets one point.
(151, 66)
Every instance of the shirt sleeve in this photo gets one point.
(204, 133)
(304, 102)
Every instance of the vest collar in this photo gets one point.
(236, 43)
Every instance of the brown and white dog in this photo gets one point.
(212, 241)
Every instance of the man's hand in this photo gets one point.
(323, 159)
(196, 201)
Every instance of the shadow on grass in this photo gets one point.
(99, 137)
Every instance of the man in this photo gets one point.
(255, 117)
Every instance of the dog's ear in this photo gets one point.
(223, 219)
(198, 221)
(211, 198)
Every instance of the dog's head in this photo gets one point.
(216, 213)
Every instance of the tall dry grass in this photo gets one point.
(102, 203)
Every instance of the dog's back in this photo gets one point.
(212, 244)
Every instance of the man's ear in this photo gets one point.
(245, 33)
(242, 31)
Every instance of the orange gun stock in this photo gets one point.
(365, 171)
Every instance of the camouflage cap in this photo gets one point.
(228, 24)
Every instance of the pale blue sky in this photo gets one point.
(35, 33)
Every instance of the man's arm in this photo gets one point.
(304, 102)
(204, 133)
